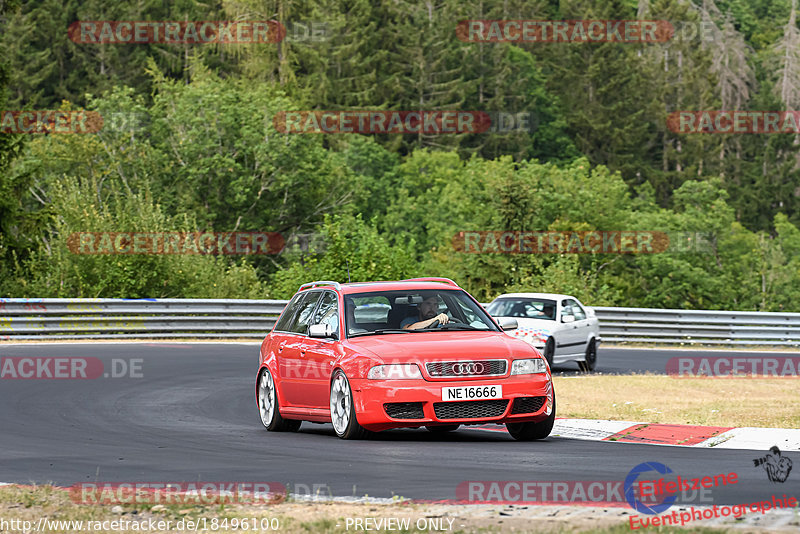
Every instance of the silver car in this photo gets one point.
(559, 326)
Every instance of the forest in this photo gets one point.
(195, 138)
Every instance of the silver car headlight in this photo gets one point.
(395, 371)
(528, 367)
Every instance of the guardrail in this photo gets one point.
(708, 327)
(225, 318)
(136, 318)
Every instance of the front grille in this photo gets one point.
(468, 368)
(527, 404)
(470, 409)
(404, 410)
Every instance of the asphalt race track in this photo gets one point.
(191, 416)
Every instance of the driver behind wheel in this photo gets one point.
(426, 315)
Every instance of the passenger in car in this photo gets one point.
(426, 315)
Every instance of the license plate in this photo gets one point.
(472, 393)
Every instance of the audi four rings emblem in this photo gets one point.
(468, 368)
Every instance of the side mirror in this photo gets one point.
(509, 324)
(567, 318)
(320, 330)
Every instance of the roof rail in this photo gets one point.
(431, 279)
(312, 285)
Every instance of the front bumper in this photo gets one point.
(371, 396)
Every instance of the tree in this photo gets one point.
(355, 252)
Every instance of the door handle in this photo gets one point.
(302, 352)
(280, 347)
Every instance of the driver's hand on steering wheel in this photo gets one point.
(442, 318)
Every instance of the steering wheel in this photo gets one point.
(438, 324)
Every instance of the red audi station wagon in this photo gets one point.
(372, 356)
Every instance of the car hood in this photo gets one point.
(433, 346)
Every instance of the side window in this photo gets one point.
(566, 309)
(328, 311)
(288, 315)
(468, 313)
(303, 317)
(580, 315)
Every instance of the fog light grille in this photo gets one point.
(404, 410)
(527, 404)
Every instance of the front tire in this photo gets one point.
(590, 361)
(533, 431)
(343, 412)
(549, 351)
(268, 407)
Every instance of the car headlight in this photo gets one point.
(528, 367)
(395, 371)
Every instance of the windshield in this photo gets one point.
(386, 312)
(528, 308)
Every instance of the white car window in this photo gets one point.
(577, 311)
(566, 309)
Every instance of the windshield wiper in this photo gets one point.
(384, 331)
(459, 326)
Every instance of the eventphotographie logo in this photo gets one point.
(777, 466)
(634, 499)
